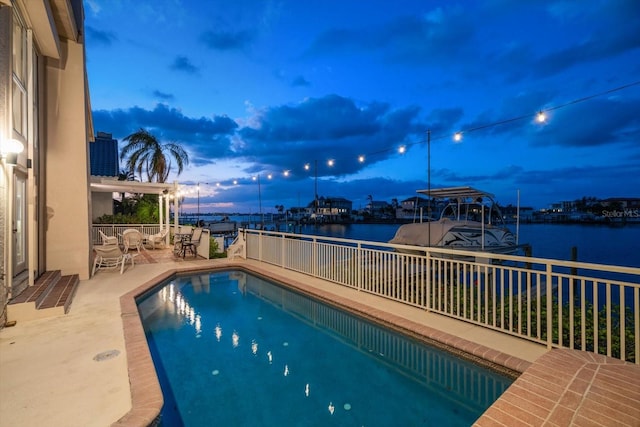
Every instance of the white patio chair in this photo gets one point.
(157, 239)
(191, 243)
(108, 240)
(109, 257)
(132, 238)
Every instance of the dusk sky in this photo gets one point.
(252, 87)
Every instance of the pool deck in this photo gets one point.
(91, 366)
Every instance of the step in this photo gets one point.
(39, 290)
(61, 293)
(51, 295)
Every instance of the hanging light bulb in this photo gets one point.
(541, 117)
(457, 137)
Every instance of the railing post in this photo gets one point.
(283, 251)
(314, 262)
(428, 284)
(549, 306)
(360, 264)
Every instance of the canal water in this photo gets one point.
(599, 244)
(595, 243)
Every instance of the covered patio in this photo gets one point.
(166, 192)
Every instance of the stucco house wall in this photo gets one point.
(67, 191)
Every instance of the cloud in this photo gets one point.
(600, 31)
(99, 37)
(208, 139)
(300, 81)
(182, 63)
(227, 40)
(439, 34)
(602, 121)
(327, 127)
(94, 6)
(162, 95)
(600, 46)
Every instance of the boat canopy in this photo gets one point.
(456, 193)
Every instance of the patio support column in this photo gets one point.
(160, 211)
(167, 218)
(175, 207)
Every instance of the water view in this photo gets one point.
(595, 243)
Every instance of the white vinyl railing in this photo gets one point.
(117, 229)
(577, 305)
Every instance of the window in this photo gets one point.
(19, 91)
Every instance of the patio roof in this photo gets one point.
(106, 185)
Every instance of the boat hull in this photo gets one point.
(450, 234)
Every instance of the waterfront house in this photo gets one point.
(412, 207)
(378, 208)
(334, 208)
(329, 209)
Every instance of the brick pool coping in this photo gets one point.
(562, 385)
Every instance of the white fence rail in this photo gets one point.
(147, 230)
(577, 305)
(117, 229)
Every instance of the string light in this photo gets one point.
(540, 117)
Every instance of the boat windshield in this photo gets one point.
(466, 204)
(472, 212)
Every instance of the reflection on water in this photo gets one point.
(195, 324)
(436, 369)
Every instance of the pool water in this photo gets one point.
(233, 349)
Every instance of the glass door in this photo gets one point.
(19, 223)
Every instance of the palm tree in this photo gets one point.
(126, 175)
(145, 152)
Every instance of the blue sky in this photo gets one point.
(262, 87)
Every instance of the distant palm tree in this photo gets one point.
(145, 153)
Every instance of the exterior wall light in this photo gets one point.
(9, 149)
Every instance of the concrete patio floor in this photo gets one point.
(73, 370)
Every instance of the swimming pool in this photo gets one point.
(232, 348)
